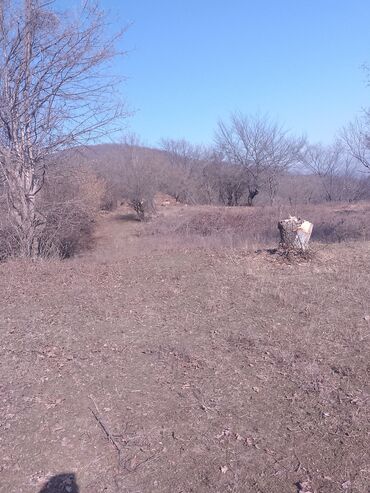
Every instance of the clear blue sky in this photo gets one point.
(192, 62)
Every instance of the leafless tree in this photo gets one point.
(55, 92)
(262, 147)
(334, 168)
(356, 138)
(140, 173)
(185, 165)
(323, 162)
(226, 182)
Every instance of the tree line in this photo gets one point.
(253, 160)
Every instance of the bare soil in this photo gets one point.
(144, 366)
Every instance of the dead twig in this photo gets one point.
(299, 465)
(131, 468)
(108, 435)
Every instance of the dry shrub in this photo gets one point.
(67, 207)
(8, 239)
(9, 244)
(335, 222)
(69, 184)
(342, 227)
(240, 226)
(69, 204)
(217, 227)
(91, 190)
(257, 227)
(109, 200)
(68, 230)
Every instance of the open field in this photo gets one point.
(169, 359)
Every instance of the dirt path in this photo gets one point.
(119, 235)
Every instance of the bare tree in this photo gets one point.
(54, 93)
(261, 147)
(323, 162)
(185, 164)
(140, 172)
(228, 183)
(334, 168)
(356, 138)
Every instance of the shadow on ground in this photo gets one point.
(127, 217)
(62, 483)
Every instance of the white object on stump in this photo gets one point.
(295, 233)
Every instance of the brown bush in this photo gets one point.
(68, 230)
(69, 204)
(109, 200)
(8, 240)
(67, 207)
(341, 226)
(73, 184)
(240, 227)
(216, 227)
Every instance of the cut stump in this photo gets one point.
(295, 233)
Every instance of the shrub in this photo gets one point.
(69, 203)
(67, 231)
(240, 227)
(8, 240)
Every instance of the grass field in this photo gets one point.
(172, 359)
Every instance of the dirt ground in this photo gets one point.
(143, 368)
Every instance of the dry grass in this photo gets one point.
(213, 370)
(240, 227)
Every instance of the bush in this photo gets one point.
(9, 245)
(69, 203)
(68, 230)
(67, 207)
(257, 227)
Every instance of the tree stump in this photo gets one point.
(295, 234)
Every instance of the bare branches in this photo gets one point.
(335, 170)
(185, 163)
(261, 147)
(139, 176)
(56, 91)
(356, 138)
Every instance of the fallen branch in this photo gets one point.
(107, 433)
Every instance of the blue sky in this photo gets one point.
(192, 62)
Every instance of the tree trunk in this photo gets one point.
(21, 200)
(20, 163)
(272, 189)
(252, 194)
